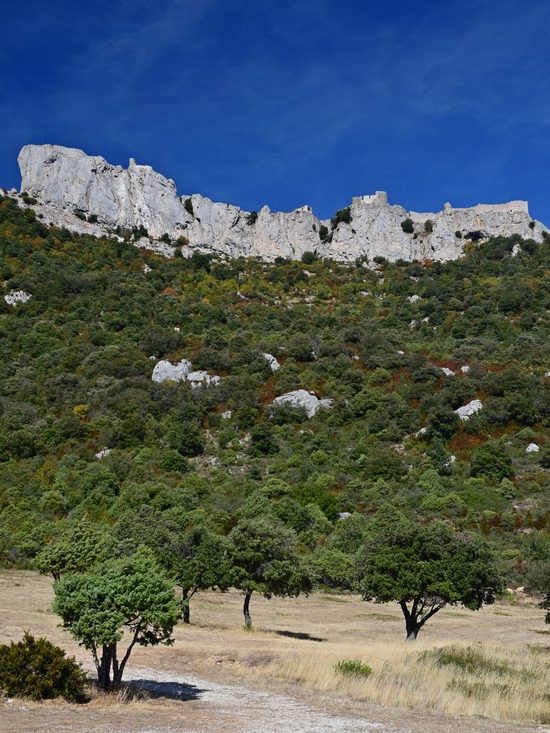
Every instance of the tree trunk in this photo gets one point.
(186, 611)
(411, 620)
(104, 671)
(413, 629)
(246, 610)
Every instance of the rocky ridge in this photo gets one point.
(86, 194)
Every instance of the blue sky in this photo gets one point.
(287, 103)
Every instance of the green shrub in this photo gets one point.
(491, 459)
(324, 234)
(342, 215)
(467, 659)
(38, 669)
(353, 668)
(407, 226)
(252, 218)
(188, 204)
(308, 258)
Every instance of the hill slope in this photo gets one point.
(78, 356)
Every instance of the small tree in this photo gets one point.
(424, 568)
(491, 459)
(265, 560)
(342, 215)
(407, 225)
(131, 595)
(201, 563)
(539, 579)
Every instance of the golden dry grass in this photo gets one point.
(299, 641)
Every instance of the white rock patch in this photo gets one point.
(200, 378)
(306, 400)
(272, 361)
(14, 297)
(466, 411)
(532, 448)
(165, 371)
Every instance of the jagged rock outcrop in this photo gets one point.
(87, 194)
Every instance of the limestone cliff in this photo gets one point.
(87, 194)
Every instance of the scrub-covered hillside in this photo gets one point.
(433, 379)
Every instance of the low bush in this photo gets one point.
(465, 659)
(39, 670)
(353, 668)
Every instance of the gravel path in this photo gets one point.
(245, 710)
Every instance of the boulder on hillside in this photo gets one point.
(309, 402)
(466, 411)
(272, 361)
(165, 371)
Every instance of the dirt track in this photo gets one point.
(188, 704)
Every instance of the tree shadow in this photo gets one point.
(298, 635)
(173, 690)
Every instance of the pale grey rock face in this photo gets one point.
(414, 298)
(66, 180)
(14, 297)
(303, 399)
(466, 411)
(103, 453)
(447, 372)
(117, 196)
(200, 378)
(272, 361)
(165, 371)
(532, 448)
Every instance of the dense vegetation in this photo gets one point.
(75, 374)
(37, 669)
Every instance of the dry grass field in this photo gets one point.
(493, 664)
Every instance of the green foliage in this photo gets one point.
(342, 215)
(308, 258)
(407, 225)
(353, 668)
(463, 659)
(188, 204)
(252, 218)
(130, 595)
(264, 559)
(77, 549)
(76, 378)
(332, 568)
(39, 670)
(324, 234)
(424, 568)
(492, 460)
